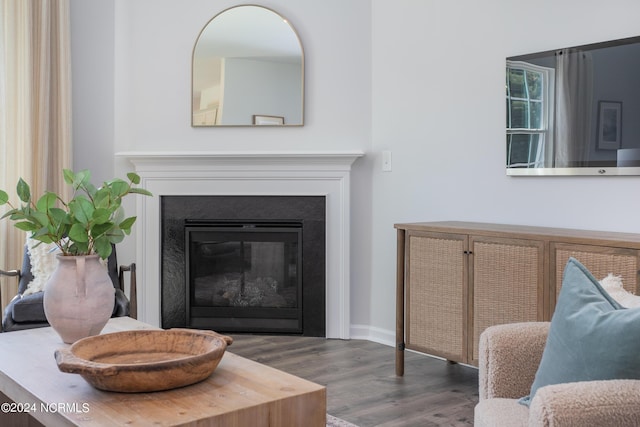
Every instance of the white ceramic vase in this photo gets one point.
(78, 297)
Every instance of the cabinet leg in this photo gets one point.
(400, 303)
(400, 359)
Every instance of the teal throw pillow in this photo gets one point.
(591, 336)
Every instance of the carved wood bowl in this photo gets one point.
(144, 360)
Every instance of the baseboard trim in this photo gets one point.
(371, 333)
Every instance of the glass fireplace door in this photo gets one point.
(244, 277)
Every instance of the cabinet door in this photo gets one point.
(507, 284)
(436, 294)
(599, 260)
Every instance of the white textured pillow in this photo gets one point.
(43, 264)
(613, 285)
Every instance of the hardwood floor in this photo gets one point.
(362, 387)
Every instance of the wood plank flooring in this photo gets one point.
(362, 387)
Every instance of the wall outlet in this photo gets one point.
(386, 161)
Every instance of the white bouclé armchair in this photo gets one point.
(508, 361)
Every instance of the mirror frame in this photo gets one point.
(253, 124)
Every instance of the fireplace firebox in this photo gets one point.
(244, 276)
(257, 264)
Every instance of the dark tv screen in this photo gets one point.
(575, 110)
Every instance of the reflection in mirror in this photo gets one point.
(565, 112)
(248, 61)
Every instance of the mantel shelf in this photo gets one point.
(310, 159)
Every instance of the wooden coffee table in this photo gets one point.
(240, 392)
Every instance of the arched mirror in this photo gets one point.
(248, 70)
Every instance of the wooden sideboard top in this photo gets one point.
(566, 235)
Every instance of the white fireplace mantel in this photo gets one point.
(290, 173)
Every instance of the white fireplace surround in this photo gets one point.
(246, 173)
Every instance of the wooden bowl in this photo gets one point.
(144, 360)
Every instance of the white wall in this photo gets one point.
(92, 65)
(438, 104)
(422, 79)
(153, 77)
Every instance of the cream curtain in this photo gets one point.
(574, 99)
(35, 110)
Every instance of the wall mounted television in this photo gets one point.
(575, 110)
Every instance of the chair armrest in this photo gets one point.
(10, 273)
(509, 356)
(609, 403)
(133, 296)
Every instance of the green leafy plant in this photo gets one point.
(87, 224)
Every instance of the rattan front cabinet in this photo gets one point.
(459, 284)
(455, 279)
(601, 260)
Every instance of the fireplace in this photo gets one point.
(252, 264)
(250, 172)
(244, 276)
